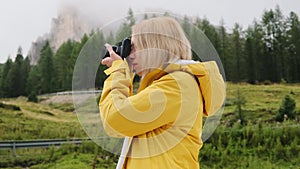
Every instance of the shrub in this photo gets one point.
(267, 82)
(286, 109)
(32, 97)
(240, 102)
(9, 106)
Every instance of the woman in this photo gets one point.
(162, 122)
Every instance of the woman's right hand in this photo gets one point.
(113, 56)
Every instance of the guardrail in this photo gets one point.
(78, 92)
(39, 143)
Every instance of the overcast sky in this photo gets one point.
(22, 21)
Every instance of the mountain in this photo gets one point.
(69, 24)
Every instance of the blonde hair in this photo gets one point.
(160, 40)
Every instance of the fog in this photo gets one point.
(22, 22)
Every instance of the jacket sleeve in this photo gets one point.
(125, 115)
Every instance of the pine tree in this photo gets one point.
(274, 43)
(62, 61)
(202, 38)
(286, 109)
(224, 48)
(25, 69)
(259, 58)
(15, 79)
(211, 33)
(4, 85)
(87, 64)
(46, 70)
(293, 48)
(100, 75)
(197, 41)
(33, 85)
(240, 102)
(125, 29)
(237, 51)
(186, 26)
(249, 51)
(74, 59)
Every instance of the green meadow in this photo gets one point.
(249, 135)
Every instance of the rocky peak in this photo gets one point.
(68, 25)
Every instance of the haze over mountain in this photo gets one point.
(69, 24)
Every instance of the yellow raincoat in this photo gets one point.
(162, 123)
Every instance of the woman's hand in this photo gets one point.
(113, 56)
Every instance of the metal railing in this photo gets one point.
(73, 92)
(39, 143)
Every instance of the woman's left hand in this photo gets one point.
(113, 56)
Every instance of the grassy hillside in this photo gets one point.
(261, 101)
(260, 143)
(22, 120)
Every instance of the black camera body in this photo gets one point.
(122, 48)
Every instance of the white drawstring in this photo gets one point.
(123, 153)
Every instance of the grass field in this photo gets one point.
(231, 146)
(262, 101)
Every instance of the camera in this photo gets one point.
(122, 48)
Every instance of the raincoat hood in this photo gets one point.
(210, 82)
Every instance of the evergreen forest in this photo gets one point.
(266, 52)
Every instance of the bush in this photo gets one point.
(286, 109)
(267, 82)
(240, 102)
(32, 97)
(9, 106)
